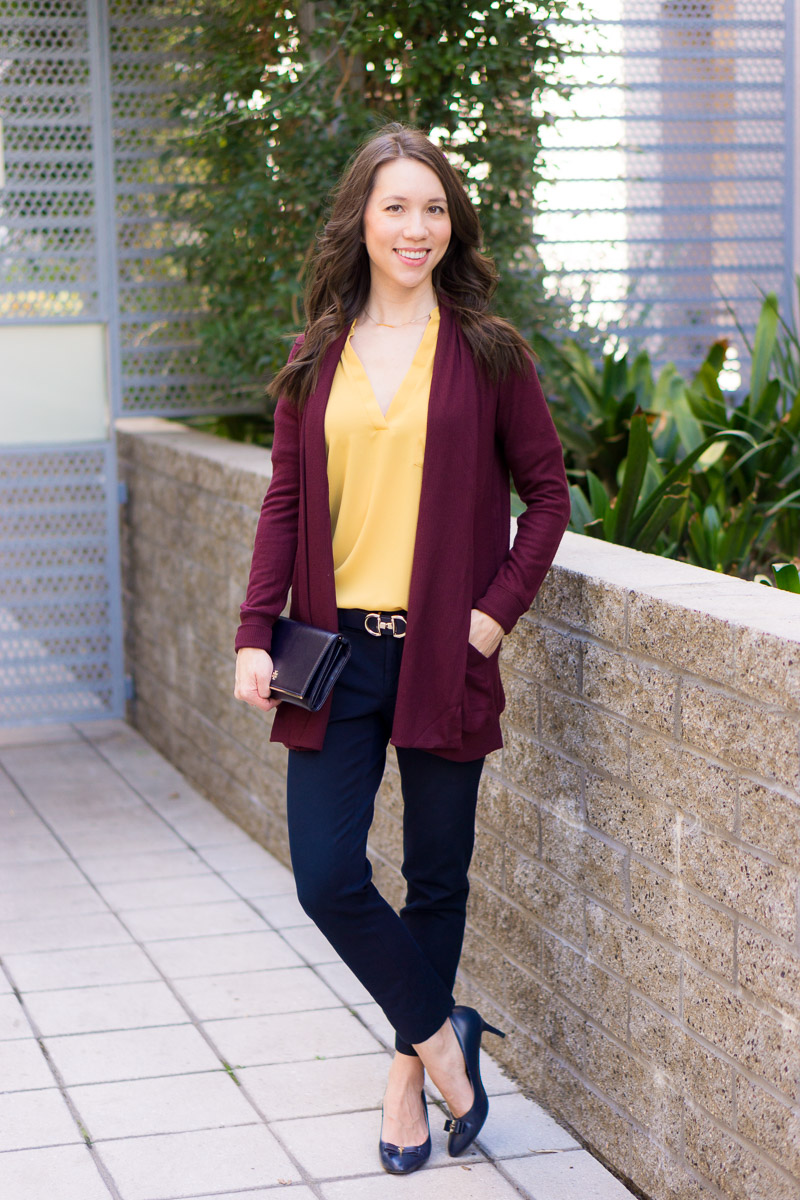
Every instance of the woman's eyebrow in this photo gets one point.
(432, 200)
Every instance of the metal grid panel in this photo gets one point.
(57, 586)
(156, 304)
(671, 198)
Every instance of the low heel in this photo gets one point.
(491, 1029)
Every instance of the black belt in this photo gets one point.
(378, 624)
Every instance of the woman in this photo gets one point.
(401, 412)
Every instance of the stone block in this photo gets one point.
(740, 880)
(662, 904)
(204, 549)
(637, 691)
(488, 859)
(511, 928)
(630, 1082)
(750, 1036)
(563, 1029)
(687, 638)
(770, 820)
(525, 1000)
(692, 1068)
(768, 667)
(544, 655)
(640, 824)
(770, 1122)
(582, 857)
(586, 604)
(635, 955)
(554, 903)
(586, 734)
(670, 772)
(739, 1172)
(599, 996)
(662, 1175)
(769, 970)
(765, 741)
(505, 811)
(541, 773)
(522, 700)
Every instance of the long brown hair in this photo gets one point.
(339, 278)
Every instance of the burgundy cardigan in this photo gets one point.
(449, 697)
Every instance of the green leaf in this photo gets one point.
(763, 348)
(635, 467)
(787, 577)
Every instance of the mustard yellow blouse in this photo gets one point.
(375, 477)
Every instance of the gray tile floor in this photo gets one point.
(171, 1025)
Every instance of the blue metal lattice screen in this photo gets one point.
(671, 198)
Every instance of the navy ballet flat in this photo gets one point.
(402, 1160)
(469, 1026)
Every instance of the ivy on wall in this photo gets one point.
(272, 101)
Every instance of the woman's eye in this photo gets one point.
(394, 208)
(436, 209)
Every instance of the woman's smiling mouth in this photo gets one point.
(412, 255)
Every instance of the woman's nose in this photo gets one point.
(416, 225)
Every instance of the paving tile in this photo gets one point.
(376, 1021)
(465, 1181)
(82, 967)
(38, 846)
(23, 1067)
(63, 1173)
(290, 1037)
(192, 920)
(342, 980)
(31, 1119)
(54, 933)
(13, 1022)
(237, 858)
(573, 1175)
(185, 957)
(282, 912)
(130, 1054)
(310, 944)
(347, 1144)
(517, 1126)
(298, 1192)
(207, 827)
(39, 877)
(319, 1087)
(160, 864)
(37, 735)
(68, 782)
(255, 993)
(204, 888)
(31, 904)
(146, 1106)
(184, 1164)
(272, 879)
(95, 1009)
(140, 830)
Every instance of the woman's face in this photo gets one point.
(406, 225)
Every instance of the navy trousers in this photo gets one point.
(408, 962)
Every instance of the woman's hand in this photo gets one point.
(253, 678)
(485, 634)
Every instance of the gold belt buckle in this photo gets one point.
(375, 625)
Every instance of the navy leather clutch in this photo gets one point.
(306, 663)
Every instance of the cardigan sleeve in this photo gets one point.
(533, 452)
(275, 546)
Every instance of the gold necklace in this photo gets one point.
(383, 324)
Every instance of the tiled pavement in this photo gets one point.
(171, 1025)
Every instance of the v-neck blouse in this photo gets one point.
(375, 477)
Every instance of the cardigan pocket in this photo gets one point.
(483, 691)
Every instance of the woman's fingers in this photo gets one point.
(485, 634)
(253, 679)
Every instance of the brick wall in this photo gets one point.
(634, 910)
